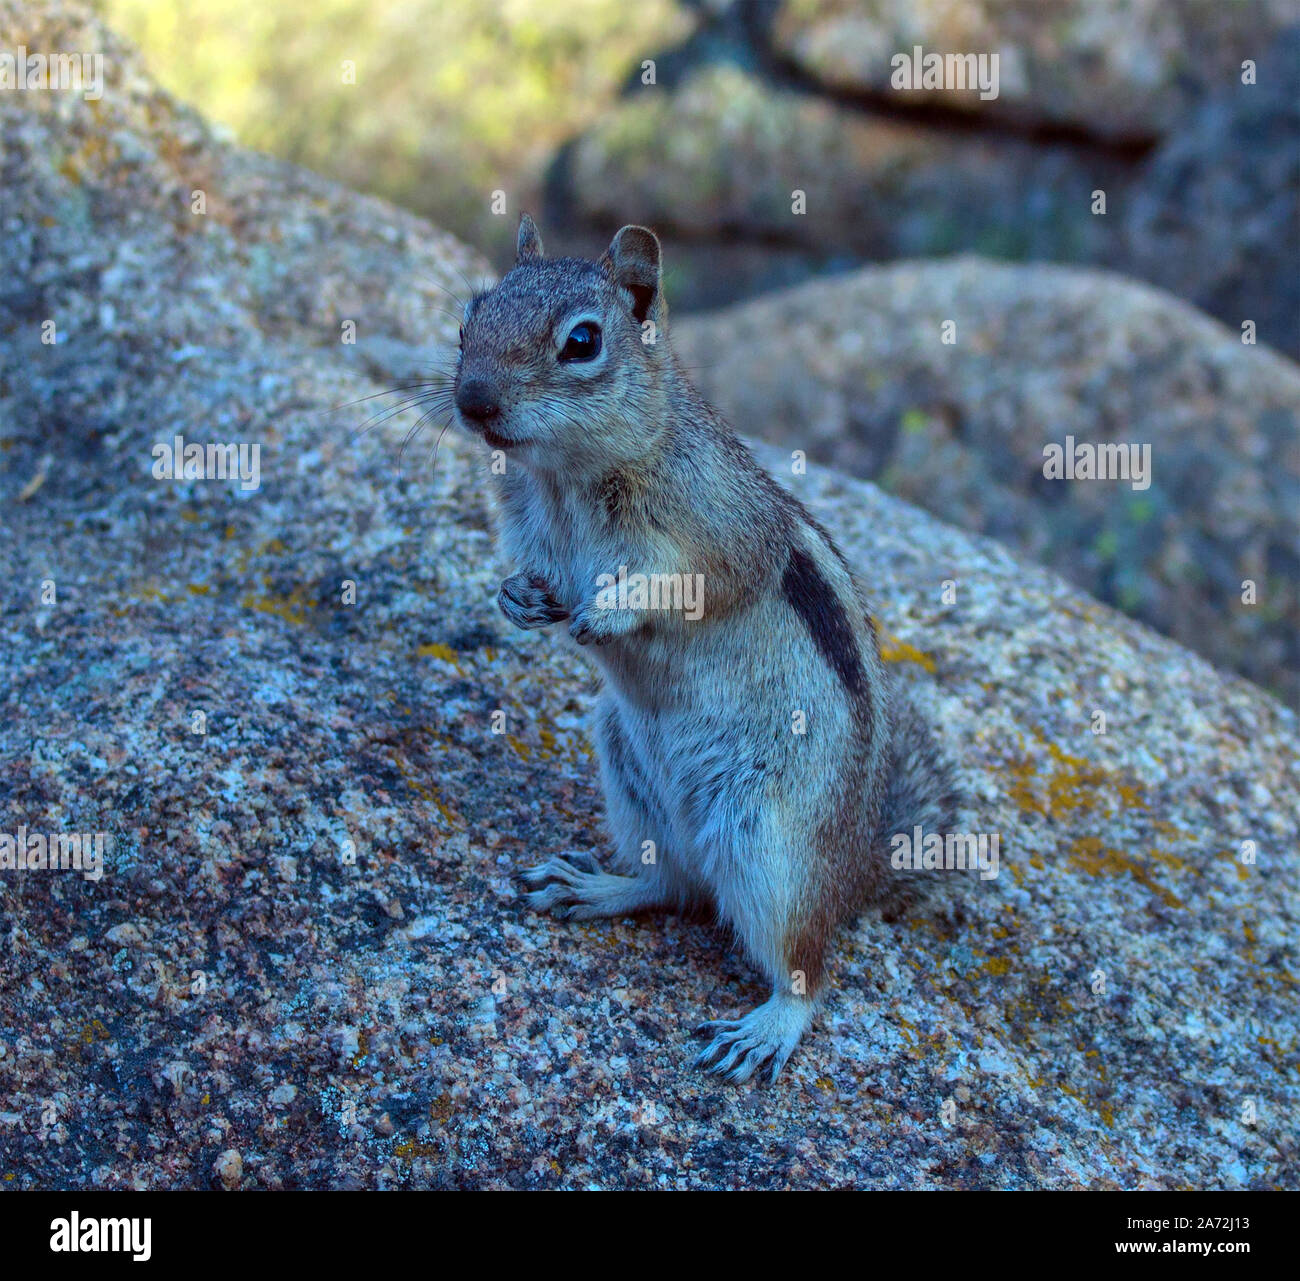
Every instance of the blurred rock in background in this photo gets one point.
(1215, 216)
(1117, 70)
(753, 99)
(1141, 101)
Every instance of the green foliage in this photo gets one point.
(452, 99)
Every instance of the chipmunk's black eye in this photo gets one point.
(583, 342)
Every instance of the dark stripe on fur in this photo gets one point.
(823, 615)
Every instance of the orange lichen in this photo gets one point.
(436, 650)
(291, 607)
(1088, 854)
(1064, 783)
(411, 1148)
(422, 790)
(893, 650)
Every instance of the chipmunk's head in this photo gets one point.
(564, 362)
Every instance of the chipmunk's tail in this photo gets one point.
(922, 791)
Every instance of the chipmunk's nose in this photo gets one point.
(477, 400)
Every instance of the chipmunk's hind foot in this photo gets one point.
(766, 1036)
(574, 888)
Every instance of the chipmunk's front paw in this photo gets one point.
(575, 888)
(526, 600)
(767, 1035)
(593, 625)
(557, 886)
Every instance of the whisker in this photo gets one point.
(439, 400)
(415, 431)
(429, 280)
(433, 462)
(442, 311)
(473, 291)
(406, 440)
(390, 391)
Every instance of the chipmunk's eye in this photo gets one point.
(583, 342)
(461, 339)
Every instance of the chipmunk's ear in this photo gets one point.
(529, 243)
(633, 261)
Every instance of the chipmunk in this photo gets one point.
(750, 758)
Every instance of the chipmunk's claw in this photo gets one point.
(714, 1026)
(527, 601)
(585, 634)
(576, 888)
(766, 1036)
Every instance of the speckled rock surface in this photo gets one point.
(856, 371)
(305, 964)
